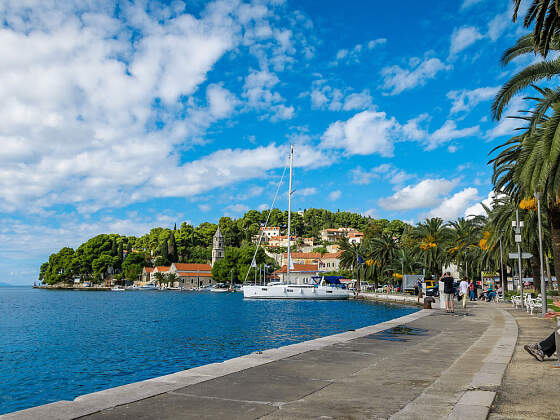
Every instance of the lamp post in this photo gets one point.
(543, 284)
(517, 227)
(504, 281)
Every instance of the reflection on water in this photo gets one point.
(59, 344)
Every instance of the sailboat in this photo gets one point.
(290, 289)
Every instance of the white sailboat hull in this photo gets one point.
(290, 291)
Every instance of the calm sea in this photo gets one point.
(60, 344)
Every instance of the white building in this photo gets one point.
(333, 235)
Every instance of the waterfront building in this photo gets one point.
(300, 274)
(192, 276)
(301, 258)
(330, 262)
(147, 274)
(218, 248)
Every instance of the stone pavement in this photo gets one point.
(530, 389)
(425, 365)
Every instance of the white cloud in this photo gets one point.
(452, 207)
(477, 209)
(237, 208)
(425, 194)
(468, 3)
(385, 171)
(462, 38)
(335, 195)
(365, 133)
(353, 55)
(204, 207)
(324, 96)
(396, 79)
(464, 100)
(307, 191)
(447, 132)
(260, 96)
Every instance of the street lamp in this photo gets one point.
(504, 281)
(517, 227)
(543, 284)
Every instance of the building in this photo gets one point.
(192, 276)
(147, 274)
(218, 248)
(330, 262)
(355, 237)
(308, 241)
(301, 258)
(333, 235)
(278, 241)
(300, 274)
(270, 232)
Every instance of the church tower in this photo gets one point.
(218, 250)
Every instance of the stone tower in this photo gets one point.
(218, 250)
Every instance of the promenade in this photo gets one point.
(429, 364)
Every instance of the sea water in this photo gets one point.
(56, 345)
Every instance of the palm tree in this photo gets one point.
(172, 278)
(465, 236)
(160, 278)
(349, 257)
(531, 74)
(383, 250)
(530, 162)
(545, 15)
(432, 236)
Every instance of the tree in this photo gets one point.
(172, 248)
(383, 249)
(432, 238)
(133, 265)
(160, 278)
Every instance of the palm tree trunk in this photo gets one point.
(554, 217)
(548, 272)
(535, 268)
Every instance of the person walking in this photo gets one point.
(472, 291)
(448, 292)
(463, 290)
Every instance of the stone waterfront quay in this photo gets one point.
(426, 365)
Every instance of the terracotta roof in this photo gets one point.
(192, 267)
(305, 255)
(148, 269)
(161, 268)
(187, 274)
(333, 255)
(299, 268)
(355, 234)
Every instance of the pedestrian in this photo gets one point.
(448, 291)
(463, 290)
(547, 347)
(472, 291)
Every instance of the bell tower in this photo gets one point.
(218, 250)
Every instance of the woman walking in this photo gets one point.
(472, 291)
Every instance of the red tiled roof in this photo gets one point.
(187, 274)
(161, 268)
(148, 269)
(192, 267)
(299, 268)
(333, 255)
(304, 255)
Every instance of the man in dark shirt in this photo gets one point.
(448, 291)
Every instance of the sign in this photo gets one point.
(524, 255)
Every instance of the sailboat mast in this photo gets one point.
(290, 214)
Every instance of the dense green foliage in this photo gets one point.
(125, 256)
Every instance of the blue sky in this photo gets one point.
(122, 116)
